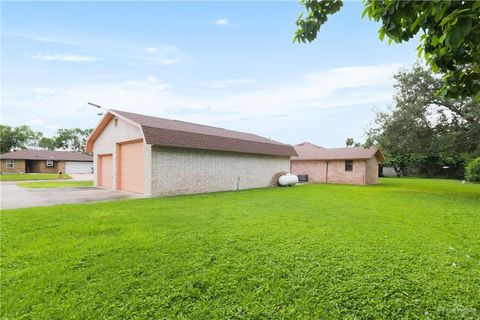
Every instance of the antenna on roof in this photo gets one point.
(97, 106)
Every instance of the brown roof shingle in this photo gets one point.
(310, 151)
(46, 155)
(165, 132)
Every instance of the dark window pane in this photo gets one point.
(349, 165)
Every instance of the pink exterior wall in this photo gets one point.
(314, 168)
(130, 166)
(372, 171)
(364, 172)
(107, 141)
(337, 173)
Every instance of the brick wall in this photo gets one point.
(314, 168)
(364, 172)
(18, 166)
(337, 173)
(372, 171)
(186, 171)
(40, 166)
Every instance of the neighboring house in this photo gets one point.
(45, 161)
(155, 156)
(354, 165)
(390, 172)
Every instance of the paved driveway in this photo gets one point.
(13, 196)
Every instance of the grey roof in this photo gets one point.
(46, 155)
(310, 151)
(166, 132)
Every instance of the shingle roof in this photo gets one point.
(165, 132)
(46, 155)
(309, 151)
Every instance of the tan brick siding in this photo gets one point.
(314, 168)
(364, 172)
(372, 171)
(107, 143)
(187, 171)
(18, 166)
(40, 166)
(337, 173)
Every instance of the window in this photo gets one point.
(116, 123)
(10, 163)
(349, 165)
(49, 163)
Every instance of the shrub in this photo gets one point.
(472, 171)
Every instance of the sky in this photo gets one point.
(225, 64)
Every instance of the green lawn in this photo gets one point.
(55, 184)
(31, 176)
(404, 249)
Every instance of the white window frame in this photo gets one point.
(49, 163)
(10, 164)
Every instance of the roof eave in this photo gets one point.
(380, 155)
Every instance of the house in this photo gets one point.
(353, 165)
(45, 161)
(157, 157)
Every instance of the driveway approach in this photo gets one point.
(13, 196)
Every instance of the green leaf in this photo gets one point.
(381, 33)
(365, 11)
(442, 38)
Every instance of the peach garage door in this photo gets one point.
(105, 169)
(130, 166)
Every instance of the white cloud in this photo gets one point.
(221, 22)
(63, 57)
(293, 102)
(229, 83)
(44, 91)
(34, 121)
(46, 39)
(166, 55)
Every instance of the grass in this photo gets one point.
(404, 249)
(56, 184)
(31, 176)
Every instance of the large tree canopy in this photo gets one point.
(425, 130)
(71, 139)
(23, 137)
(450, 34)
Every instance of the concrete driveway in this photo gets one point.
(13, 196)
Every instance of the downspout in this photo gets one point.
(365, 173)
(326, 172)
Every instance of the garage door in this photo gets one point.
(104, 172)
(130, 167)
(78, 167)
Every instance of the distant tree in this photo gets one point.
(7, 140)
(450, 34)
(14, 138)
(424, 130)
(472, 171)
(23, 137)
(71, 139)
(47, 143)
(350, 142)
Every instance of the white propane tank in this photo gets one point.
(288, 180)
